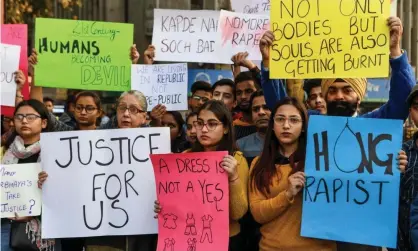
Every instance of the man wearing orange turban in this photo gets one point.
(343, 95)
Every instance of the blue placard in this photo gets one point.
(210, 76)
(352, 185)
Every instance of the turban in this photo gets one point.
(358, 84)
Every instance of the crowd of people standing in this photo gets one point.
(254, 119)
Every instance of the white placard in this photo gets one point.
(19, 190)
(9, 58)
(187, 36)
(251, 6)
(162, 84)
(100, 182)
(241, 32)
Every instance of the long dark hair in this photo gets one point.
(40, 108)
(176, 143)
(222, 113)
(265, 168)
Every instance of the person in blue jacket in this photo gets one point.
(344, 95)
(414, 223)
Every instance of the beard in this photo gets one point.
(341, 108)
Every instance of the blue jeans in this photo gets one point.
(5, 237)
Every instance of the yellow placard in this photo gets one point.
(329, 39)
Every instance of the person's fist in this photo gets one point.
(265, 44)
(134, 54)
(149, 54)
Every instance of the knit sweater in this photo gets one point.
(238, 199)
(281, 218)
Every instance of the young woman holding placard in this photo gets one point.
(30, 119)
(276, 181)
(215, 132)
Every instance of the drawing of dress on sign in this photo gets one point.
(190, 225)
(207, 230)
(169, 244)
(170, 221)
(191, 244)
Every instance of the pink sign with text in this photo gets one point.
(192, 189)
(17, 34)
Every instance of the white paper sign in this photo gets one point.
(187, 36)
(162, 84)
(100, 182)
(242, 33)
(251, 6)
(9, 58)
(19, 190)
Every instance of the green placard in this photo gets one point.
(85, 55)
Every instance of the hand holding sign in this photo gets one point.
(265, 44)
(229, 163)
(149, 54)
(134, 55)
(396, 30)
(402, 161)
(296, 182)
(20, 80)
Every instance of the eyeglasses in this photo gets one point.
(211, 124)
(198, 98)
(257, 108)
(89, 109)
(132, 109)
(29, 117)
(280, 120)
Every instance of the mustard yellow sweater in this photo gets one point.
(238, 198)
(281, 218)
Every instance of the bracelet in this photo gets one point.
(19, 96)
(234, 179)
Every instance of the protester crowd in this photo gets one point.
(252, 117)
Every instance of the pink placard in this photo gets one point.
(193, 191)
(17, 34)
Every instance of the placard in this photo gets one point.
(9, 55)
(162, 84)
(242, 33)
(17, 34)
(19, 190)
(187, 36)
(85, 55)
(100, 182)
(251, 6)
(352, 180)
(329, 39)
(193, 191)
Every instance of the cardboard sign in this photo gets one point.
(9, 55)
(187, 36)
(19, 190)
(352, 180)
(329, 39)
(100, 182)
(162, 84)
(85, 55)
(242, 33)
(251, 6)
(16, 34)
(193, 191)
